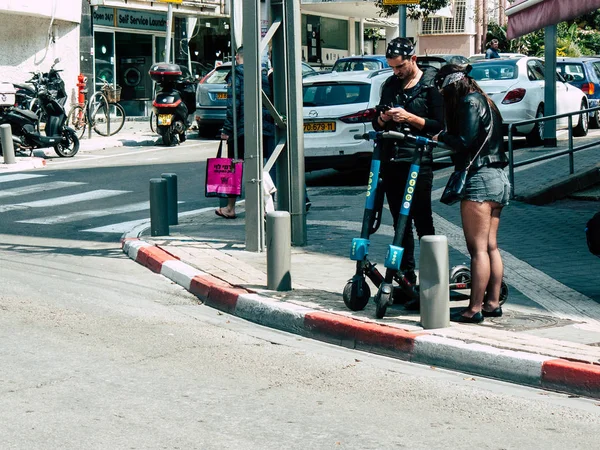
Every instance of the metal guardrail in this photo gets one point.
(568, 151)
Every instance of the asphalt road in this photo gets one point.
(99, 195)
(99, 352)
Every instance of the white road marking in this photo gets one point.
(67, 199)
(37, 188)
(89, 214)
(125, 227)
(18, 177)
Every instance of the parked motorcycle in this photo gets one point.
(27, 94)
(24, 127)
(175, 100)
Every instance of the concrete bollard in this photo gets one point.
(8, 150)
(172, 206)
(279, 251)
(434, 287)
(159, 218)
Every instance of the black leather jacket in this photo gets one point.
(423, 100)
(475, 119)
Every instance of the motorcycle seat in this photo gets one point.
(27, 113)
(23, 86)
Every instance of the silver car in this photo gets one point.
(211, 99)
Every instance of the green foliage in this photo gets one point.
(425, 8)
(571, 40)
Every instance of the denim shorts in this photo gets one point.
(487, 184)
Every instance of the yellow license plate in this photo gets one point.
(319, 127)
(221, 95)
(165, 119)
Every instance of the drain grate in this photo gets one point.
(521, 322)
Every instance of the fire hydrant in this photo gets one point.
(81, 84)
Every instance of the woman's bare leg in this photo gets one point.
(476, 221)
(492, 296)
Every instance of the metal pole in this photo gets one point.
(279, 251)
(159, 218)
(402, 21)
(8, 149)
(280, 97)
(550, 87)
(172, 207)
(168, 38)
(233, 46)
(571, 162)
(434, 289)
(295, 121)
(511, 165)
(253, 127)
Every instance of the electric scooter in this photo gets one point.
(356, 293)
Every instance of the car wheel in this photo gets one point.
(582, 127)
(536, 135)
(595, 120)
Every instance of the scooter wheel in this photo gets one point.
(168, 138)
(383, 300)
(503, 293)
(356, 294)
(460, 274)
(69, 144)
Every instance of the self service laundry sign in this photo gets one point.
(125, 18)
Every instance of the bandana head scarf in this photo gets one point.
(399, 47)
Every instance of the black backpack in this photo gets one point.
(592, 233)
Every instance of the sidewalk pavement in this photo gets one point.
(549, 335)
(135, 133)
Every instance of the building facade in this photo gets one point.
(126, 37)
(35, 33)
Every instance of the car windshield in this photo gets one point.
(574, 69)
(494, 71)
(356, 64)
(335, 94)
(218, 76)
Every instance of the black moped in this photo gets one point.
(173, 103)
(24, 127)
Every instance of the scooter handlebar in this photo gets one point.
(372, 135)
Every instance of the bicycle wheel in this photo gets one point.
(113, 115)
(77, 120)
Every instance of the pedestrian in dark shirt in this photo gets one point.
(492, 51)
(416, 108)
(228, 212)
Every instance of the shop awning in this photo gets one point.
(525, 16)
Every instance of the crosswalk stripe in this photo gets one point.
(65, 200)
(35, 188)
(18, 177)
(124, 227)
(80, 215)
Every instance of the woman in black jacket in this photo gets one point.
(474, 131)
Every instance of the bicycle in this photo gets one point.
(102, 112)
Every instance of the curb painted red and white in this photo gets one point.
(574, 377)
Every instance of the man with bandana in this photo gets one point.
(416, 107)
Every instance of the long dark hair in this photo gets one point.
(454, 92)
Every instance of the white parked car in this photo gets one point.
(337, 106)
(517, 87)
(479, 56)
